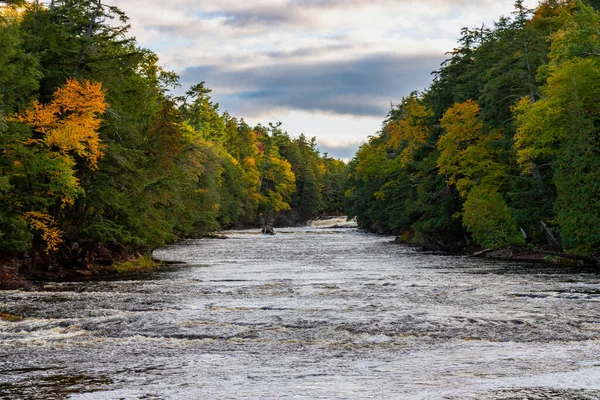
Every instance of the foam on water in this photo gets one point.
(333, 222)
(311, 312)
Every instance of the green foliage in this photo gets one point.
(505, 137)
(578, 37)
(19, 69)
(203, 114)
(468, 156)
(14, 235)
(308, 169)
(395, 187)
(334, 185)
(593, 3)
(367, 176)
(277, 180)
(126, 164)
(577, 180)
(563, 127)
(488, 219)
(141, 264)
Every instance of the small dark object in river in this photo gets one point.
(267, 230)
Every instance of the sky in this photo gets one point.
(325, 68)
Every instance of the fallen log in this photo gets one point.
(542, 256)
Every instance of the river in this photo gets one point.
(310, 313)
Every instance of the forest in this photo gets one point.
(503, 148)
(101, 160)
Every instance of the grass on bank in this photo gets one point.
(10, 317)
(144, 263)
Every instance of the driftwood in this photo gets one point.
(550, 236)
(542, 256)
(584, 259)
(482, 253)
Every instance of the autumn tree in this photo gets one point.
(45, 166)
(277, 180)
(70, 122)
(467, 149)
(469, 158)
(412, 129)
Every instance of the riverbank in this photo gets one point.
(539, 256)
(20, 271)
(509, 253)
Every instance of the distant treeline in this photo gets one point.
(503, 148)
(97, 155)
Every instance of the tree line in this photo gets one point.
(98, 156)
(503, 148)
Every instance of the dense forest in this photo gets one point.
(503, 148)
(99, 159)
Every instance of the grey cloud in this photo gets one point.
(298, 12)
(336, 4)
(260, 18)
(310, 51)
(243, 16)
(346, 151)
(361, 87)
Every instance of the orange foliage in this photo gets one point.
(250, 162)
(44, 223)
(547, 10)
(322, 167)
(70, 122)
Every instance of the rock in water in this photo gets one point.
(268, 230)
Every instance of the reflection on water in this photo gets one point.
(313, 313)
(47, 383)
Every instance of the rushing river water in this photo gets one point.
(308, 313)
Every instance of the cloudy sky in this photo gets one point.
(325, 68)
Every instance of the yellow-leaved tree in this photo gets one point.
(469, 158)
(412, 130)
(64, 132)
(467, 155)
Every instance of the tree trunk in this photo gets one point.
(88, 36)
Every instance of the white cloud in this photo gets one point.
(338, 135)
(229, 38)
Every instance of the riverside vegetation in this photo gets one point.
(101, 161)
(503, 148)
